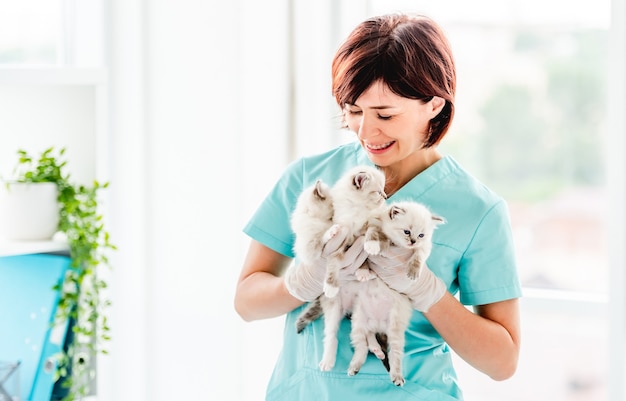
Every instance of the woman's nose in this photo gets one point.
(367, 128)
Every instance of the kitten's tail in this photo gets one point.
(312, 312)
(384, 345)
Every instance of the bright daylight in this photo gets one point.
(329, 200)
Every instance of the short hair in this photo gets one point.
(409, 53)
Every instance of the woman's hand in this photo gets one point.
(306, 281)
(391, 266)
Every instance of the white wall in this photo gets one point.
(198, 106)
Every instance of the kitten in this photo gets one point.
(310, 220)
(378, 310)
(405, 224)
(356, 195)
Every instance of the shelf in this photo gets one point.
(11, 248)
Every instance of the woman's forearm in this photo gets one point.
(488, 340)
(261, 291)
(262, 295)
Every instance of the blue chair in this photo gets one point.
(28, 304)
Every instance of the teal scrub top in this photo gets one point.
(472, 253)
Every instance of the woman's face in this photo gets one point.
(390, 127)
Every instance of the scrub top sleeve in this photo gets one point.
(488, 270)
(270, 224)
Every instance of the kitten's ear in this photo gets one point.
(319, 190)
(395, 210)
(438, 219)
(360, 179)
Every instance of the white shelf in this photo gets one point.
(12, 248)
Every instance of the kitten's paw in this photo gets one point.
(414, 268)
(372, 247)
(378, 352)
(364, 274)
(413, 272)
(330, 290)
(326, 365)
(354, 368)
(398, 380)
(331, 233)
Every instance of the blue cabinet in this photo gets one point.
(29, 340)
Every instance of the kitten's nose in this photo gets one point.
(413, 241)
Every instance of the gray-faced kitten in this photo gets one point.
(405, 224)
(379, 309)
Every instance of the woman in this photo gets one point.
(394, 79)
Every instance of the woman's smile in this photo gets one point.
(380, 148)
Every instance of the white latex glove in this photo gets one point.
(306, 281)
(425, 291)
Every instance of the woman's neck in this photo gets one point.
(398, 174)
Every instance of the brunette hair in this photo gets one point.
(409, 53)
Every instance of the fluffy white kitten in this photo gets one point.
(356, 195)
(405, 224)
(379, 310)
(310, 220)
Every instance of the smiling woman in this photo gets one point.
(385, 125)
(532, 120)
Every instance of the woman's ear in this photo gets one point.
(437, 104)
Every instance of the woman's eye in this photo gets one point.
(354, 112)
(384, 117)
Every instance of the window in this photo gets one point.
(30, 32)
(530, 123)
(46, 33)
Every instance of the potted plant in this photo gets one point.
(81, 299)
(28, 211)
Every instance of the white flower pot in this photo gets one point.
(28, 211)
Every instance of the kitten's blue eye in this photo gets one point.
(407, 232)
(421, 235)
